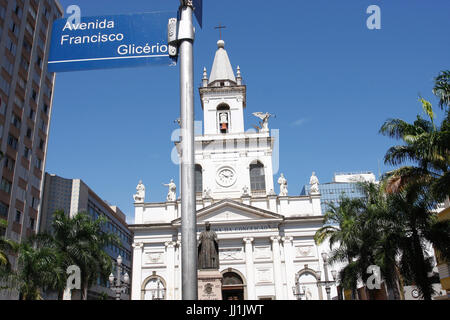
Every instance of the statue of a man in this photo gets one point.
(140, 194)
(208, 249)
(283, 186)
(314, 182)
(172, 194)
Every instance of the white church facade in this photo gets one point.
(266, 245)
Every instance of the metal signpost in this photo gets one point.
(188, 205)
(141, 40)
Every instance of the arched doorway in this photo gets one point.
(232, 286)
(153, 288)
(307, 284)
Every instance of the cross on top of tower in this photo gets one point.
(220, 27)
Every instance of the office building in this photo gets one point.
(26, 93)
(343, 184)
(74, 196)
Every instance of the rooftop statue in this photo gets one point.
(264, 124)
(140, 194)
(314, 182)
(283, 186)
(172, 194)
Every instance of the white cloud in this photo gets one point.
(299, 122)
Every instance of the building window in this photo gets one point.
(38, 163)
(31, 114)
(5, 185)
(12, 142)
(257, 177)
(198, 178)
(18, 216)
(18, 11)
(11, 47)
(3, 210)
(29, 132)
(9, 163)
(15, 121)
(27, 153)
(32, 223)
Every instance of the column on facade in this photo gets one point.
(277, 267)
(289, 263)
(137, 271)
(251, 293)
(170, 263)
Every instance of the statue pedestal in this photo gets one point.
(209, 285)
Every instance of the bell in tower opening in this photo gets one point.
(223, 124)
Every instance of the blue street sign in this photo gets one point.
(110, 42)
(198, 11)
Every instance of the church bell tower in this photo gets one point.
(231, 162)
(223, 96)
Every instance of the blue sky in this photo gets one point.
(330, 81)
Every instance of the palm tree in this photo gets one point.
(442, 89)
(340, 227)
(7, 247)
(39, 269)
(81, 241)
(424, 144)
(411, 225)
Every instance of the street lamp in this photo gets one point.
(121, 285)
(327, 282)
(297, 291)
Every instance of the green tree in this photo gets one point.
(409, 225)
(7, 247)
(81, 241)
(39, 269)
(340, 228)
(425, 145)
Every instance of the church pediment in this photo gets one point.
(232, 211)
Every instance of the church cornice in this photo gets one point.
(223, 91)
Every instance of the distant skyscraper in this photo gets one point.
(26, 93)
(74, 196)
(342, 184)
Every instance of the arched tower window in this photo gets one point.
(257, 178)
(198, 179)
(223, 118)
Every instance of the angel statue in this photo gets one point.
(264, 124)
(172, 194)
(140, 194)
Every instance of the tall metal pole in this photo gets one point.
(188, 205)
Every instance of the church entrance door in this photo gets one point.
(232, 287)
